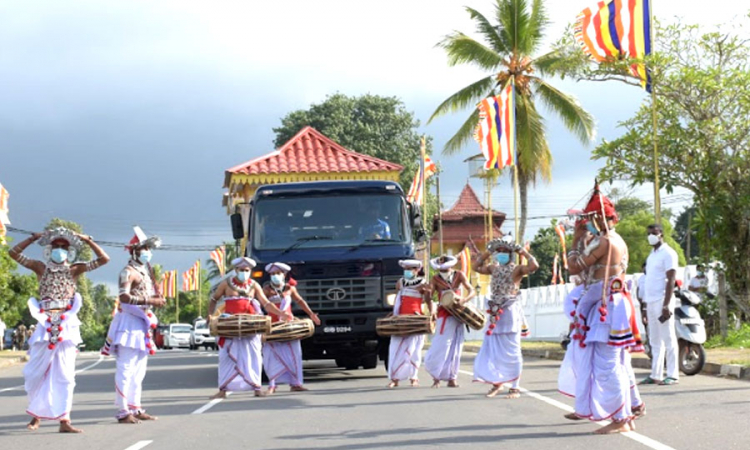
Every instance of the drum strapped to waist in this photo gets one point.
(404, 325)
(290, 331)
(468, 314)
(239, 325)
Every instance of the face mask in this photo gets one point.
(699, 274)
(408, 274)
(145, 256)
(653, 239)
(243, 276)
(59, 255)
(592, 229)
(502, 258)
(277, 279)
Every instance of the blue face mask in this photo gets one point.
(277, 279)
(408, 274)
(502, 258)
(145, 256)
(592, 229)
(59, 255)
(243, 276)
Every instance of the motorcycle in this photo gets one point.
(691, 333)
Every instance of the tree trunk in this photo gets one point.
(723, 322)
(523, 191)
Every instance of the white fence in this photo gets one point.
(543, 307)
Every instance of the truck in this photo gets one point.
(343, 240)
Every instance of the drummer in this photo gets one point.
(500, 360)
(282, 361)
(405, 352)
(240, 360)
(444, 356)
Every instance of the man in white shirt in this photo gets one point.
(699, 283)
(661, 268)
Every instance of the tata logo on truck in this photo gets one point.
(336, 294)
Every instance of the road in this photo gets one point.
(353, 410)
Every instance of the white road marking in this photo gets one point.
(91, 366)
(139, 445)
(209, 405)
(647, 441)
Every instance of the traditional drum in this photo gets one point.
(467, 314)
(239, 325)
(290, 331)
(404, 325)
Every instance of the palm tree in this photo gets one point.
(507, 53)
(232, 253)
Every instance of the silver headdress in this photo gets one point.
(140, 240)
(74, 242)
(505, 243)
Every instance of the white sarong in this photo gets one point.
(131, 370)
(240, 364)
(444, 355)
(405, 357)
(282, 362)
(500, 360)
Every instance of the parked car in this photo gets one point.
(177, 335)
(159, 332)
(8, 339)
(201, 337)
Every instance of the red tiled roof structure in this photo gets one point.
(309, 151)
(465, 220)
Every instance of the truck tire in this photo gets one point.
(370, 362)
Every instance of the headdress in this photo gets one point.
(243, 261)
(599, 202)
(61, 233)
(140, 240)
(410, 263)
(505, 243)
(279, 265)
(447, 262)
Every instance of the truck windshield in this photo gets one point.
(328, 221)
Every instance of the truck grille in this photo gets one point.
(358, 293)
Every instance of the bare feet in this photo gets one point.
(145, 416)
(494, 390)
(271, 390)
(452, 383)
(513, 393)
(631, 423)
(639, 411)
(220, 394)
(614, 427)
(392, 384)
(414, 383)
(435, 384)
(260, 393)
(34, 424)
(572, 416)
(66, 427)
(299, 388)
(128, 419)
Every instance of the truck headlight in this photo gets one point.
(390, 299)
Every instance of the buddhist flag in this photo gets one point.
(219, 256)
(496, 130)
(169, 284)
(465, 259)
(186, 281)
(4, 220)
(191, 278)
(415, 191)
(616, 29)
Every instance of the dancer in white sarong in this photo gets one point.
(605, 328)
(282, 361)
(500, 360)
(129, 338)
(240, 359)
(405, 352)
(444, 355)
(49, 376)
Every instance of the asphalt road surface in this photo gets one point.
(354, 410)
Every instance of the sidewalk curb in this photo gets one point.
(721, 370)
(8, 362)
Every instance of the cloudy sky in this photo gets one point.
(122, 113)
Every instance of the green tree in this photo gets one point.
(508, 53)
(545, 245)
(15, 290)
(703, 112)
(685, 230)
(633, 230)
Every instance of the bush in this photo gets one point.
(735, 338)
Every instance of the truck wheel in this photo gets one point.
(692, 358)
(370, 362)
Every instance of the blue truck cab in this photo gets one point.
(343, 240)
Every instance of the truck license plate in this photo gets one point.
(337, 330)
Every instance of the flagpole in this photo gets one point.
(177, 305)
(200, 298)
(657, 198)
(423, 153)
(440, 214)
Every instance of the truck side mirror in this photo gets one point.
(420, 236)
(415, 213)
(238, 231)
